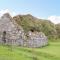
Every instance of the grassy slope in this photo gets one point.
(50, 52)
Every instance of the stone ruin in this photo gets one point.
(13, 34)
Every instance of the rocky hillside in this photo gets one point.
(29, 22)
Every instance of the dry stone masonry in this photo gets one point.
(13, 34)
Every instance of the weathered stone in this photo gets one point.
(15, 34)
(36, 39)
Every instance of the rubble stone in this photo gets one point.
(15, 34)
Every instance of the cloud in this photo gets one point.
(54, 19)
(7, 11)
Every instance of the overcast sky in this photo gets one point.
(48, 9)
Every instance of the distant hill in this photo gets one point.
(29, 22)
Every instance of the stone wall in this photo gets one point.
(14, 34)
(35, 39)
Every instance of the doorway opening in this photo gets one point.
(4, 37)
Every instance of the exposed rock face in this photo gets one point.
(13, 34)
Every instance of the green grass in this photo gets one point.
(50, 52)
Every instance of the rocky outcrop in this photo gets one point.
(13, 34)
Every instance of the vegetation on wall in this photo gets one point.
(29, 22)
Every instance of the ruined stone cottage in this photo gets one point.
(13, 34)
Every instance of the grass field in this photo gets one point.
(50, 52)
